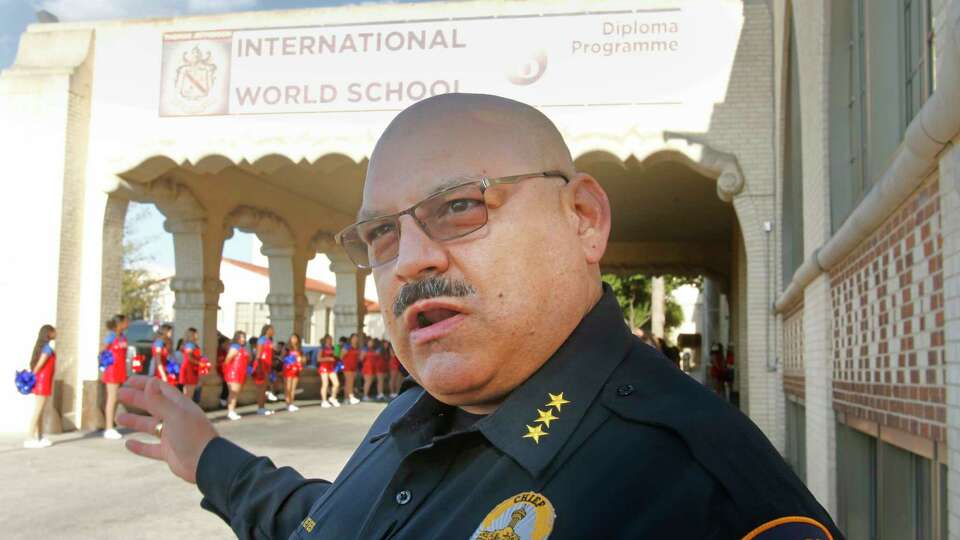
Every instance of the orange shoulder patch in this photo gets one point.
(790, 528)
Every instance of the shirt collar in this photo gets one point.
(535, 421)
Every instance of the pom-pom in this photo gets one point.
(137, 364)
(338, 367)
(250, 369)
(106, 359)
(25, 381)
(173, 368)
(289, 359)
(204, 367)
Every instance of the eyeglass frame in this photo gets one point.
(484, 184)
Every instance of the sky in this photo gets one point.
(15, 15)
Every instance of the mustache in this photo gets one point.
(431, 287)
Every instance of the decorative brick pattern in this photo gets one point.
(888, 322)
(793, 376)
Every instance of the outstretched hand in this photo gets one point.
(186, 429)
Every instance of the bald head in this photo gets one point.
(457, 134)
(478, 267)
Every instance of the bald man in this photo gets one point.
(531, 411)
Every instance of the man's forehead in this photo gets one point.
(437, 143)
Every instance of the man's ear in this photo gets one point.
(589, 209)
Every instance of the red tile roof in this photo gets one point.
(310, 284)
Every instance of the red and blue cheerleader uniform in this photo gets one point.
(235, 371)
(191, 363)
(44, 376)
(116, 373)
(394, 362)
(292, 370)
(374, 364)
(264, 362)
(350, 358)
(326, 366)
(160, 355)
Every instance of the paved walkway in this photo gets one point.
(87, 487)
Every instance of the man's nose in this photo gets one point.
(418, 255)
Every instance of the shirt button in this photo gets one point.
(625, 390)
(403, 497)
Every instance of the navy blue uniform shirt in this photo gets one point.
(608, 439)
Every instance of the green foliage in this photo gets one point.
(139, 290)
(633, 293)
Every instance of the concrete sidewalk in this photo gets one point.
(87, 487)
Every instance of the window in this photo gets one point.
(917, 52)
(885, 492)
(796, 451)
(792, 198)
(308, 328)
(251, 316)
(244, 317)
(856, 483)
(905, 494)
(878, 84)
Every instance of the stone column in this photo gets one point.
(349, 308)
(658, 306)
(287, 301)
(813, 56)
(45, 102)
(197, 287)
(762, 382)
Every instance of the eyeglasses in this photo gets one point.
(446, 215)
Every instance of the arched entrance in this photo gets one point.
(684, 211)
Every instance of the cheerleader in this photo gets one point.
(235, 371)
(162, 342)
(326, 368)
(374, 369)
(190, 366)
(292, 366)
(395, 377)
(262, 364)
(350, 355)
(43, 365)
(115, 374)
(223, 345)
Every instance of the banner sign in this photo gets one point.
(629, 57)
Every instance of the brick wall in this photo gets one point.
(888, 322)
(793, 376)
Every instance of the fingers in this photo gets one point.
(150, 394)
(143, 424)
(132, 396)
(147, 450)
(137, 381)
(170, 393)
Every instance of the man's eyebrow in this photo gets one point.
(364, 215)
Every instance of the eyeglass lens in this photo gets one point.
(447, 215)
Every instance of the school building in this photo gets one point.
(798, 154)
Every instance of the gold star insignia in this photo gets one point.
(546, 417)
(556, 400)
(535, 433)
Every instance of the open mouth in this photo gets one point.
(430, 317)
(429, 320)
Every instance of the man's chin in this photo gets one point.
(454, 378)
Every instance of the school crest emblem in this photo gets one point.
(525, 516)
(195, 75)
